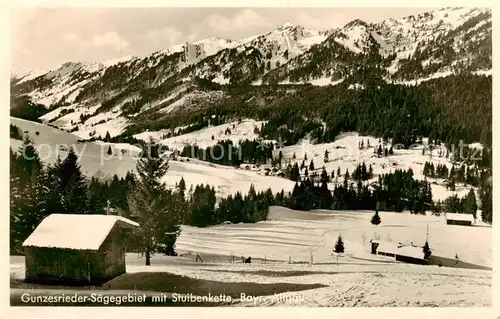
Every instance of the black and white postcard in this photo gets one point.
(251, 157)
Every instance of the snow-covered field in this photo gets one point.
(295, 234)
(358, 279)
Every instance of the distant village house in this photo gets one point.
(404, 253)
(459, 219)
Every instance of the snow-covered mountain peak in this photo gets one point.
(442, 41)
(70, 67)
(287, 25)
(356, 23)
(214, 40)
(118, 60)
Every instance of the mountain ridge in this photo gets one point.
(406, 50)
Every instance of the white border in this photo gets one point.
(177, 312)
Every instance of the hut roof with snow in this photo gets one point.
(460, 217)
(387, 246)
(411, 251)
(407, 253)
(75, 231)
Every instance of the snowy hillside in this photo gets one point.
(250, 58)
(443, 40)
(344, 155)
(240, 131)
(432, 44)
(95, 161)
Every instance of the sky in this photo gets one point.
(44, 38)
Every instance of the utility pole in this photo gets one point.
(427, 235)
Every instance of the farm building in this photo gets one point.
(76, 249)
(411, 254)
(384, 248)
(459, 219)
(404, 253)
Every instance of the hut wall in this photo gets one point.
(62, 266)
(385, 254)
(113, 253)
(458, 222)
(410, 260)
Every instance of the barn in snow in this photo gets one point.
(76, 249)
(459, 219)
(404, 253)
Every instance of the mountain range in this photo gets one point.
(80, 97)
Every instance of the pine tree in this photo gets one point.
(28, 164)
(109, 150)
(326, 158)
(15, 132)
(28, 202)
(293, 156)
(151, 205)
(311, 166)
(375, 219)
(485, 193)
(71, 184)
(339, 245)
(427, 251)
(471, 203)
(182, 187)
(305, 156)
(107, 138)
(324, 176)
(295, 173)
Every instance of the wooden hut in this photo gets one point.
(404, 253)
(76, 249)
(459, 219)
(384, 248)
(411, 254)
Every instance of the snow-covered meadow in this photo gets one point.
(295, 235)
(281, 250)
(358, 278)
